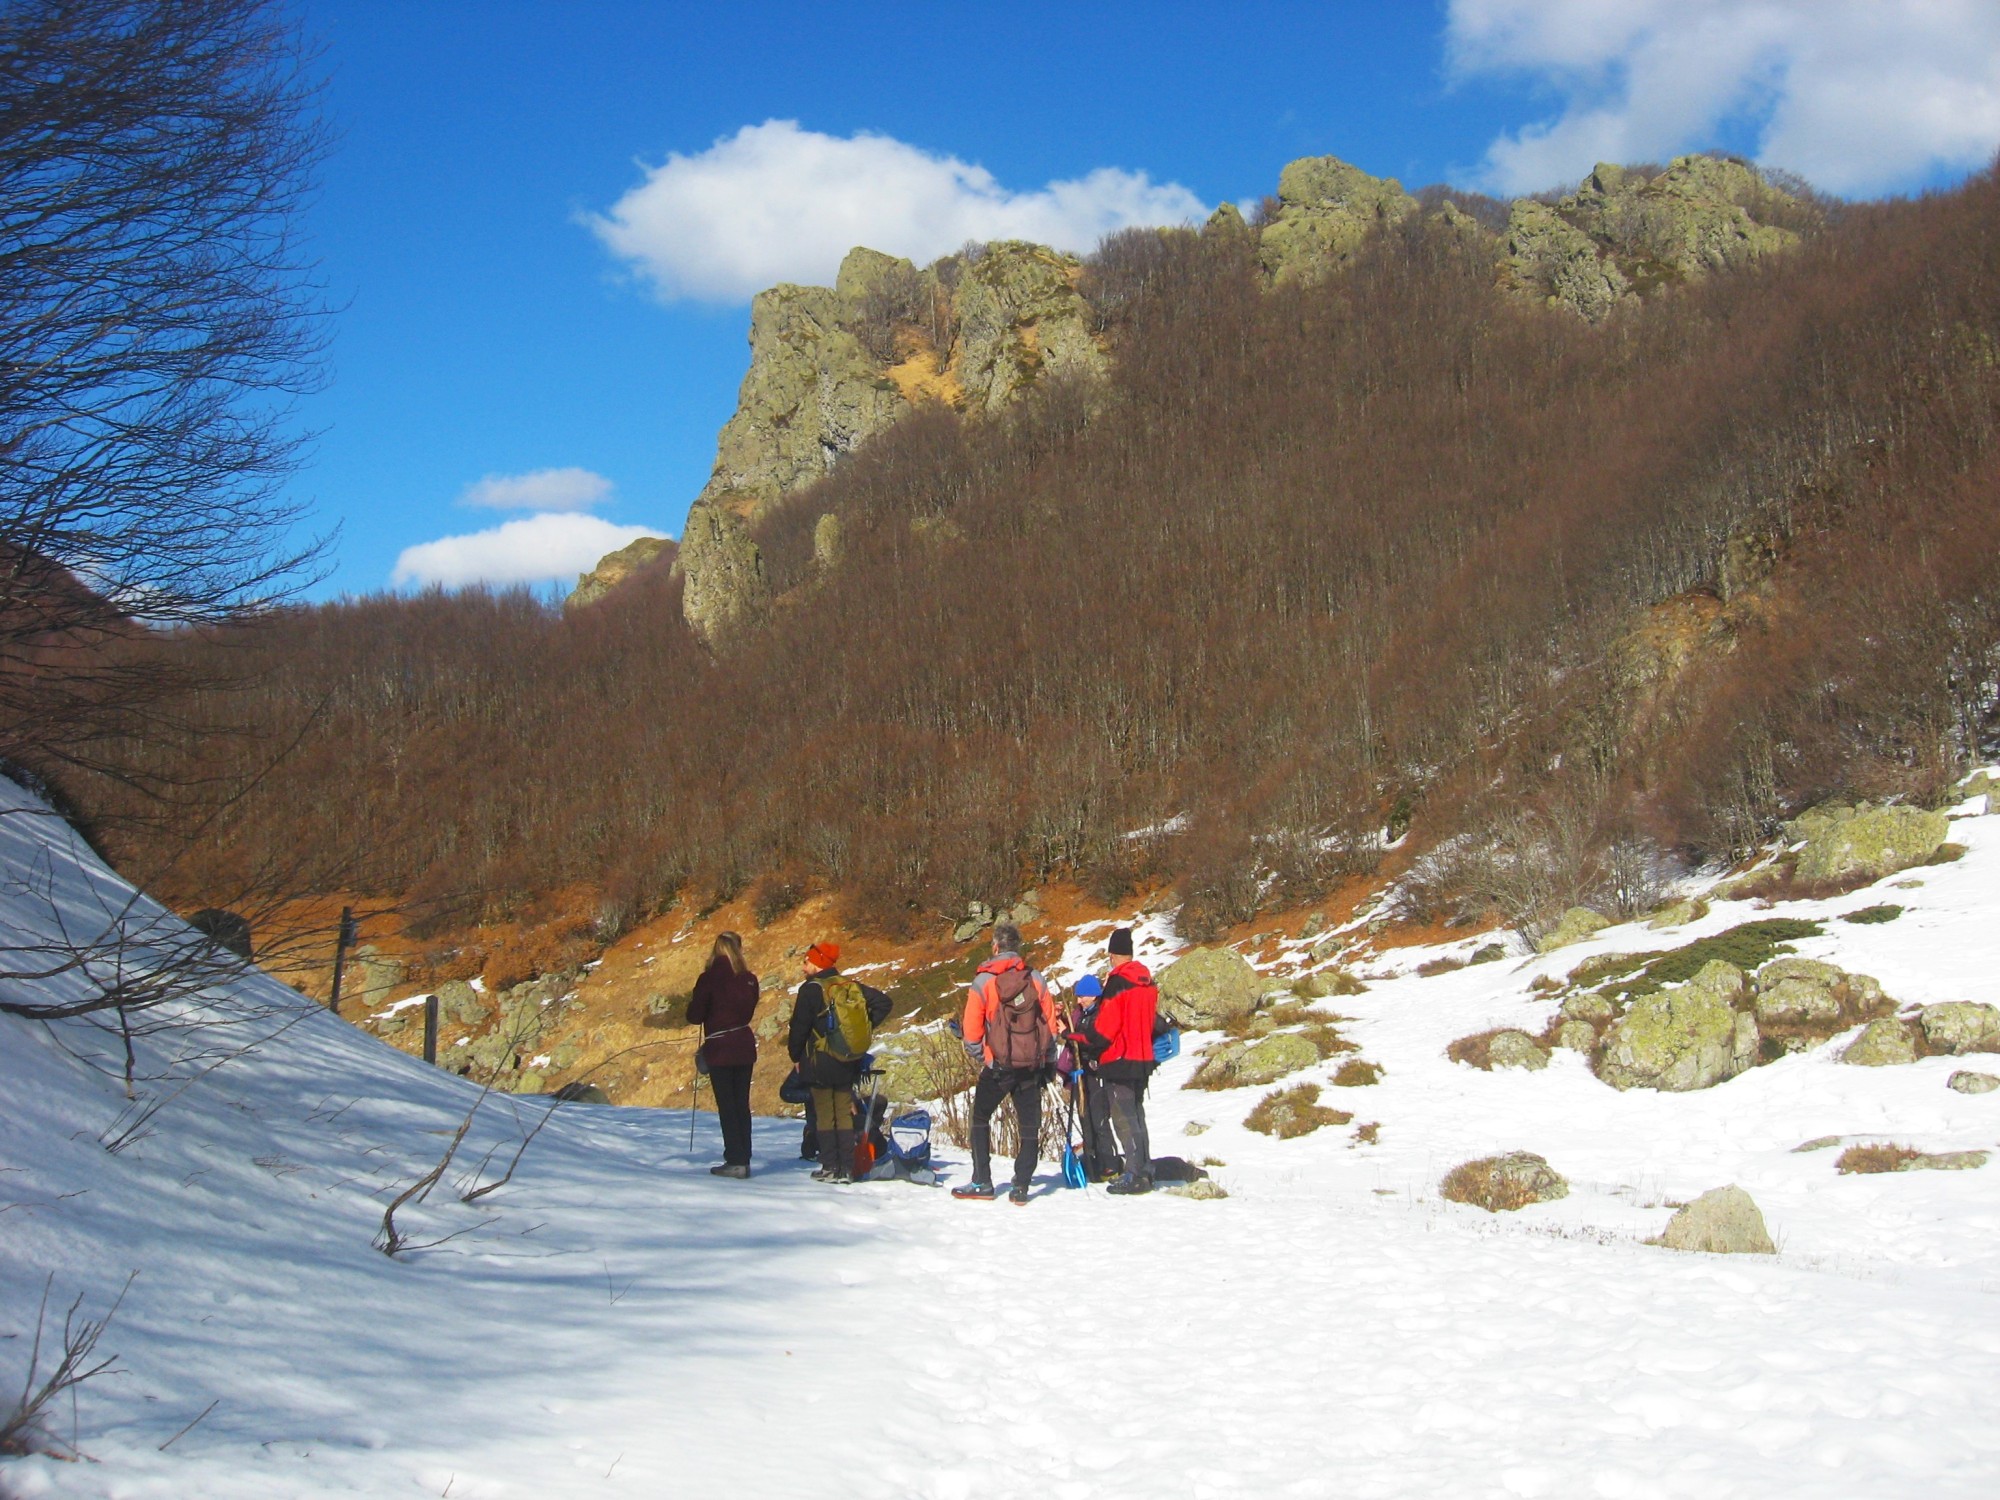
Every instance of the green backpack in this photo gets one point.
(844, 1029)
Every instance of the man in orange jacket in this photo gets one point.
(1009, 1028)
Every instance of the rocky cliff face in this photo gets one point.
(1621, 234)
(832, 366)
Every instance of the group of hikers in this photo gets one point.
(1099, 1044)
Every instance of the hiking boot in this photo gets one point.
(1018, 1195)
(1131, 1185)
(983, 1191)
(729, 1169)
(823, 1174)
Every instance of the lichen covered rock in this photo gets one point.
(1326, 209)
(1884, 1043)
(1722, 1221)
(725, 588)
(1576, 924)
(1241, 1064)
(1548, 257)
(614, 568)
(1516, 1049)
(1021, 317)
(1208, 988)
(1678, 1040)
(1967, 1082)
(1846, 843)
(1961, 1026)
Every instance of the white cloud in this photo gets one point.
(1859, 96)
(533, 549)
(540, 489)
(777, 203)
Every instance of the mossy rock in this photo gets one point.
(1516, 1049)
(1576, 924)
(1678, 914)
(1587, 1007)
(1959, 1026)
(1867, 842)
(1247, 1064)
(1884, 1043)
(1208, 988)
(1678, 1040)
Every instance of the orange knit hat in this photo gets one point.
(824, 955)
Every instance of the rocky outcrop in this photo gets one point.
(1020, 317)
(813, 392)
(1209, 988)
(725, 587)
(1689, 1037)
(1501, 1184)
(1864, 842)
(614, 568)
(1326, 209)
(827, 550)
(1549, 257)
(1722, 1221)
(1620, 235)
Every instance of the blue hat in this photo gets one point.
(1089, 987)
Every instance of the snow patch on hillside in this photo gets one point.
(617, 1322)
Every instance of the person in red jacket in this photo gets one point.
(725, 1000)
(1117, 1041)
(1009, 1027)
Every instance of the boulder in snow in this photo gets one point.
(1242, 1064)
(1587, 1006)
(1576, 924)
(1885, 1042)
(1943, 1161)
(1722, 1221)
(1961, 1026)
(1209, 988)
(1968, 1082)
(1516, 1049)
(1679, 1039)
(1578, 1036)
(1845, 843)
(1678, 914)
(1500, 1184)
(1796, 1002)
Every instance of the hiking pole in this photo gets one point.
(694, 1103)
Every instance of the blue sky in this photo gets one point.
(541, 222)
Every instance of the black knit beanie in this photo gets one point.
(1120, 945)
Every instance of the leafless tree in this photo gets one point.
(156, 320)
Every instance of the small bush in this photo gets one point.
(1295, 1111)
(1875, 1158)
(1868, 916)
(1947, 854)
(1749, 946)
(777, 897)
(1327, 1041)
(1355, 1073)
(1476, 1049)
(1369, 1134)
(1445, 964)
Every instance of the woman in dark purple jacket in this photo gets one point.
(725, 998)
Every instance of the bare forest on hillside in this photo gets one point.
(1314, 564)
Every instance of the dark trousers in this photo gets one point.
(833, 1122)
(1127, 1101)
(731, 1086)
(1100, 1148)
(1025, 1089)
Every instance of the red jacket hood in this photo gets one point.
(1002, 964)
(1133, 972)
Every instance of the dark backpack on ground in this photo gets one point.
(1017, 1034)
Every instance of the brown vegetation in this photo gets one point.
(1886, 1158)
(1315, 561)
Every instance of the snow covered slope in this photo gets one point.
(617, 1322)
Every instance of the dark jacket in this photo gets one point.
(819, 1068)
(1118, 1035)
(724, 1003)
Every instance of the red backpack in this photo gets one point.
(1017, 1033)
